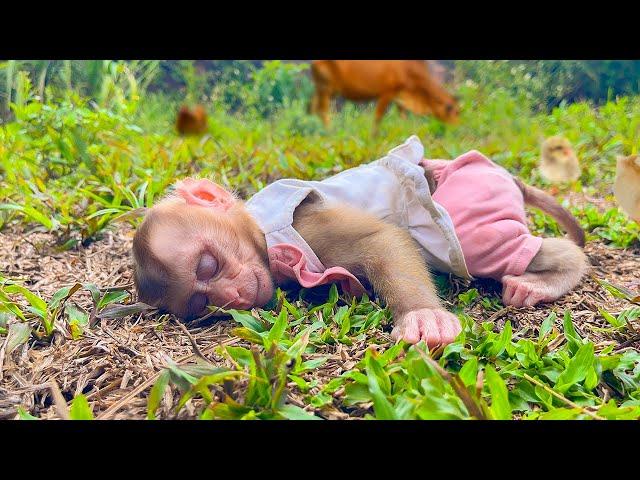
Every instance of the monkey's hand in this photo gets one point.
(435, 326)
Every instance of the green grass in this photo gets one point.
(76, 169)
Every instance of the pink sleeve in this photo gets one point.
(487, 210)
(288, 262)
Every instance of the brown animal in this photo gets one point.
(559, 162)
(189, 256)
(191, 122)
(407, 82)
(627, 185)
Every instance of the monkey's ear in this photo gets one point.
(205, 193)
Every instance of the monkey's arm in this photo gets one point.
(389, 258)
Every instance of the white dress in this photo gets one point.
(393, 188)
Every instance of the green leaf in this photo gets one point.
(240, 355)
(577, 369)
(469, 296)
(293, 412)
(500, 407)
(104, 211)
(469, 372)
(95, 292)
(619, 292)
(4, 319)
(355, 393)
(560, 414)
(58, 296)
(247, 321)
(333, 294)
(611, 319)
(502, 341)
(80, 409)
(24, 415)
(18, 334)
(155, 396)
(248, 334)
(311, 364)
(77, 319)
(112, 297)
(375, 377)
(570, 333)
(344, 321)
(201, 386)
(276, 332)
(591, 380)
(31, 213)
(298, 347)
(546, 326)
(39, 305)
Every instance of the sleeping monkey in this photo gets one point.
(378, 223)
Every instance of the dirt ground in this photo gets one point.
(116, 362)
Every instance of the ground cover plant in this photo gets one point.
(82, 151)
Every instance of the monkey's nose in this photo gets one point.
(227, 294)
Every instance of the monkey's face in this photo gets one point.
(211, 258)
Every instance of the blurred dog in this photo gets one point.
(409, 83)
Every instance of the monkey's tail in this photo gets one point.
(545, 202)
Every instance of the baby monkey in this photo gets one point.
(627, 185)
(191, 122)
(558, 162)
(377, 223)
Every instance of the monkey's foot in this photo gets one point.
(527, 290)
(434, 326)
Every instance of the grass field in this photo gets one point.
(74, 342)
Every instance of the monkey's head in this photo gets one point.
(200, 247)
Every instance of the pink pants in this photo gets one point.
(487, 209)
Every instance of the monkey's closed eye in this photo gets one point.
(207, 267)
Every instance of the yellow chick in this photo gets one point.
(558, 161)
(627, 185)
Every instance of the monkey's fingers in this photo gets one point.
(409, 331)
(449, 326)
(525, 291)
(434, 326)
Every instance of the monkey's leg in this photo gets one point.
(555, 270)
(381, 108)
